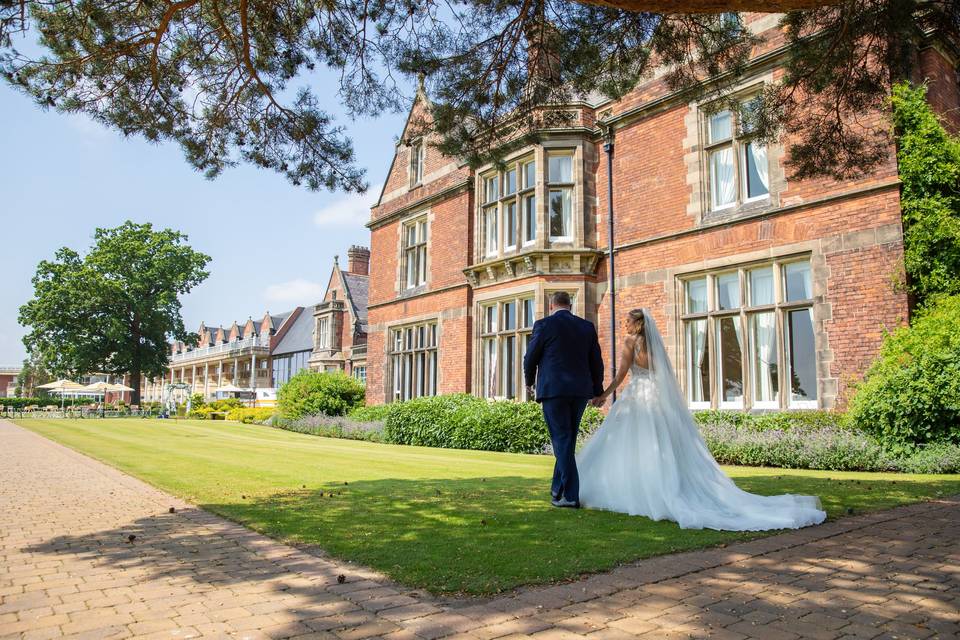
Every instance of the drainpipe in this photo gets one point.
(611, 273)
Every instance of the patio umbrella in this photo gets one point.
(99, 387)
(120, 388)
(62, 386)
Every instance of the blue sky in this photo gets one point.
(272, 244)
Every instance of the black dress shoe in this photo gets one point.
(563, 503)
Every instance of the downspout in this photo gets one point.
(611, 272)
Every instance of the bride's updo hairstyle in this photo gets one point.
(635, 322)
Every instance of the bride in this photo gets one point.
(648, 457)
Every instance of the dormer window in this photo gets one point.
(417, 156)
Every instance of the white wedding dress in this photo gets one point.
(649, 459)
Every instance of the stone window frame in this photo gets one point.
(737, 142)
(696, 160)
(540, 291)
(430, 350)
(359, 372)
(421, 247)
(324, 340)
(551, 185)
(498, 335)
(415, 162)
(780, 308)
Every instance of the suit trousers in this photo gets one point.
(563, 416)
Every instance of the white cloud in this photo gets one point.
(350, 210)
(298, 291)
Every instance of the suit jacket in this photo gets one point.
(564, 349)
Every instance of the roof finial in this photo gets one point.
(336, 259)
(421, 82)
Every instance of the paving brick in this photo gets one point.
(853, 579)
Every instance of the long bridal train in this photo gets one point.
(649, 459)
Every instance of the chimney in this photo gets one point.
(358, 260)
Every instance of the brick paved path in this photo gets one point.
(68, 569)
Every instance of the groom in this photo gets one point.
(563, 356)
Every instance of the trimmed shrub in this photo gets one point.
(462, 421)
(371, 413)
(933, 458)
(201, 413)
(781, 420)
(251, 415)
(911, 393)
(311, 393)
(333, 427)
(830, 448)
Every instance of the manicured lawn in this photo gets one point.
(444, 520)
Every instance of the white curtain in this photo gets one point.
(697, 345)
(759, 153)
(766, 357)
(761, 286)
(722, 178)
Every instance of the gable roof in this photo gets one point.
(358, 292)
(298, 337)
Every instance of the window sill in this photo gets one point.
(408, 292)
(735, 211)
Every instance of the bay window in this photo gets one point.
(748, 337)
(508, 208)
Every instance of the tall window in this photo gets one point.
(413, 360)
(504, 333)
(288, 365)
(748, 337)
(737, 163)
(415, 253)
(417, 155)
(560, 195)
(491, 215)
(323, 333)
(508, 208)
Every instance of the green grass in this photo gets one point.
(439, 519)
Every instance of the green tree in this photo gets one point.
(114, 309)
(929, 165)
(32, 375)
(215, 76)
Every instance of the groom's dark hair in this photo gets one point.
(560, 299)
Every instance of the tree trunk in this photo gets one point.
(710, 6)
(135, 383)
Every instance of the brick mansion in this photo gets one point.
(771, 292)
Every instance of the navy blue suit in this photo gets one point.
(563, 356)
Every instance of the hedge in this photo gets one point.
(463, 421)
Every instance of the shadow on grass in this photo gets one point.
(482, 536)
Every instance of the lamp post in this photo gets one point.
(611, 274)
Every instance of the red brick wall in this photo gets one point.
(943, 86)
(450, 308)
(865, 305)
